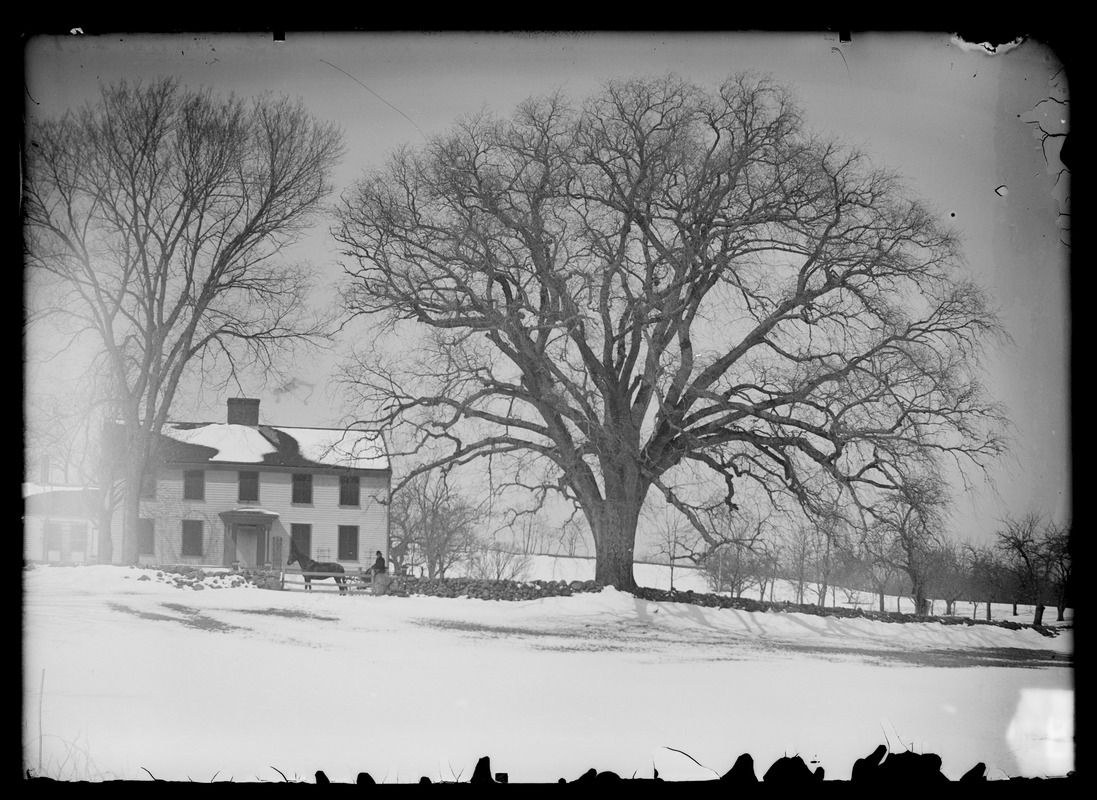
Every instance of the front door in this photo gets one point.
(247, 545)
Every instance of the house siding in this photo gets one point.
(324, 514)
(69, 551)
(75, 541)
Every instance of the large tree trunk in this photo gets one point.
(1038, 617)
(614, 562)
(106, 544)
(881, 594)
(614, 528)
(918, 590)
(110, 459)
(988, 609)
(613, 520)
(131, 510)
(613, 550)
(106, 511)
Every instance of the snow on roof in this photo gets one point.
(345, 448)
(40, 488)
(248, 511)
(235, 443)
(245, 444)
(60, 501)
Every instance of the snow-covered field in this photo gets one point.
(127, 678)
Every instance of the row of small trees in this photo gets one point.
(434, 528)
(1028, 561)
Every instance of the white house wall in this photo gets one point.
(73, 532)
(324, 514)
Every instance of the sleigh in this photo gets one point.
(378, 583)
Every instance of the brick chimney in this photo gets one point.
(243, 411)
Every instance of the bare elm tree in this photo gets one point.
(662, 287)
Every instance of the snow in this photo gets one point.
(30, 489)
(343, 448)
(234, 443)
(123, 675)
(244, 444)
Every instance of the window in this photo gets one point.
(192, 537)
(300, 537)
(302, 488)
(146, 537)
(348, 490)
(249, 487)
(348, 542)
(194, 484)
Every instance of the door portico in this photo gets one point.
(248, 539)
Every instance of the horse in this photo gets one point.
(309, 566)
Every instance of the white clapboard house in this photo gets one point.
(236, 493)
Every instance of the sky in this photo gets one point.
(126, 676)
(960, 123)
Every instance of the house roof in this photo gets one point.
(224, 443)
(60, 501)
(31, 488)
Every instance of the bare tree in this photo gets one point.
(798, 546)
(1060, 559)
(1036, 552)
(432, 525)
(666, 287)
(726, 569)
(738, 567)
(673, 539)
(154, 223)
(531, 535)
(990, 577)
(744, 558)
(574, 537)
(55, 440)
(948, 575)
(494, 561)
(877, 565)
(849, 572)
(906, 530)
(829, 539)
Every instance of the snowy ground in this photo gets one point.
(128, 678)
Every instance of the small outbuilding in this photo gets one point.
(60, 523)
